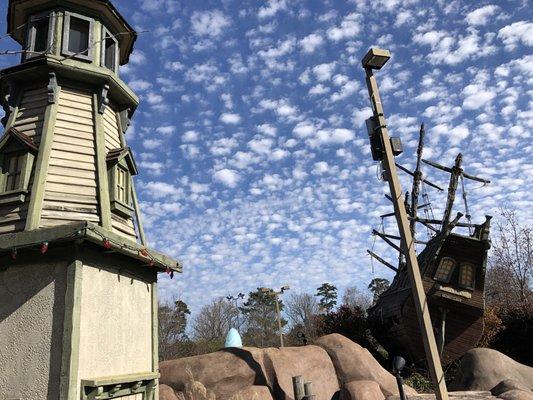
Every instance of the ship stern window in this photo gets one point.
(467, 276)
(77, 36)
(445, 270)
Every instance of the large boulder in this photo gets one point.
(253, 393)
(362, 390)
(229, 371)
(312, 363)
(355, 363)
(222, 372)
(484, 369)
(166, 393)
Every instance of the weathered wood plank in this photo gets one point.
(66, 117)
(74, 126)
(58, 162)
(57, 187)
(65, 155)
(69, 207)
(63, 171)
(73, 140)
(72, 148)
(73, 181)
(87, 135)
(69, 216)
(70, 198)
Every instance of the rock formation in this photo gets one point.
(487, 369)
(334, 364)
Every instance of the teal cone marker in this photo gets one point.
(233, 339)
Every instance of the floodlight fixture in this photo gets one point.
(375, 58)
(284, 288)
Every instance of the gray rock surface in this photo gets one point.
(484, 369)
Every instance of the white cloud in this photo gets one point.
(331, 136)
(517, 32)
(139, 85)
(318, 89)
(228, 177)
(190, 136)
(209, 23)
(151, 144)
(311, 42)
(349, 28)
(476, 96)
(261, 146)
(323, 72)
(451, 48)
(303, 129)
(267, 129)
(160, 189)
(273, 7)
(229, 118)
(320, 168)
(404, 17)
(166, 129)
(480, 16)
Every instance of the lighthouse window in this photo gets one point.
(445, 270)
(467, 276)
(39, 40)
(109, 51)
(12, 169)
(77, 36)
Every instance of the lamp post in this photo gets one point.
(384, 149)
(235, 300)
(278, 311)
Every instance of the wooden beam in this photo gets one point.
(138, 217)
(101, 167)
(35, 207)
(68, 380)
(386, 240)
(381, 260)
(408, 245)
(155, 338)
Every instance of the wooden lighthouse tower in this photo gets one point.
(78, 303)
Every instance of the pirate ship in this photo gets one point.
(452, 266)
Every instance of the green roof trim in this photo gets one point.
(88, 231)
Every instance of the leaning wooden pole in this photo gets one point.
(389, 167)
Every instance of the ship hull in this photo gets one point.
(456, 313)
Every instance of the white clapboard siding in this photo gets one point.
(71, 184)
(112, 138)
(123, 226)
(30, 113)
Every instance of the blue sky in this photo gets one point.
(255, 164)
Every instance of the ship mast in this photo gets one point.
(415, 192)
(456, 173)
